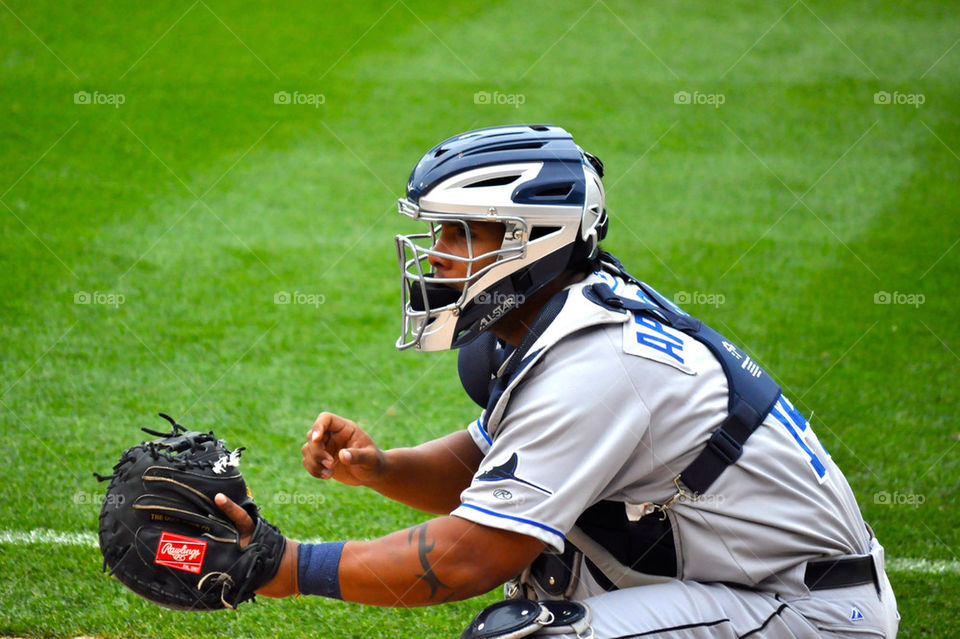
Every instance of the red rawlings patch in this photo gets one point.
(182, 553)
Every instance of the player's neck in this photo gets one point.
(517, 322)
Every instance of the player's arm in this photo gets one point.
(429, 477)
(444, 559)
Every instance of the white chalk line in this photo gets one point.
(89, 539)
(923, 566)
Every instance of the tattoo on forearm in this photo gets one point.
(423, 548)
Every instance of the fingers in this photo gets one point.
(317, 459)
(364, 457)
(317, 462)
(328, 435)
(329, 427)
(237, 515)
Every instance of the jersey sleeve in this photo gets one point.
(479, 435)
(570, 428)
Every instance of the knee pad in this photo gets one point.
(568, 617)
(516, 618)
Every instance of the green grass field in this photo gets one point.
(144, 245)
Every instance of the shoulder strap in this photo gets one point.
(519, 358)
(752, 392)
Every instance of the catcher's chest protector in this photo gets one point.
(752, 392)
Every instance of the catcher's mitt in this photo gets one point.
(164, 538)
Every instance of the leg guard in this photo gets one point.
(516, 618)
(509, 619)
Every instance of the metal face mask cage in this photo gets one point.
(429, 303)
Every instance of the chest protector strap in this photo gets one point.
(752, 393)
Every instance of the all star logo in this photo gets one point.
(495, 314)
(732, 349)
(181, 553)
(502, 304)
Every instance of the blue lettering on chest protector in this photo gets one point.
(653, 334)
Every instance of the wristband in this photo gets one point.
(318, 567)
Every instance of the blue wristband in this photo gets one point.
(317, 569)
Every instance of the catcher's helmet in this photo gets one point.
(534, 180)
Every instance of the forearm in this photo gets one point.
(411, 568)
(432, 563)
(430, 477)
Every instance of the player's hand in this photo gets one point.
(284, 583)
(337, 448)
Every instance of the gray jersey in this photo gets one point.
(613, 407)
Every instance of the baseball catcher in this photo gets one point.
(632, 472)
(162, 535)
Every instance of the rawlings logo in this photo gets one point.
(182, 553)
(233, 459)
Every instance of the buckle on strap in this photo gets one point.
(722, 450)
(725, 446)
(682, 491)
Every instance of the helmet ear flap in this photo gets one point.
(593, 225)
(594, 162)
(596, 235)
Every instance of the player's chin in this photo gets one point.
(439, 276)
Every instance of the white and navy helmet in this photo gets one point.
(534, 180)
